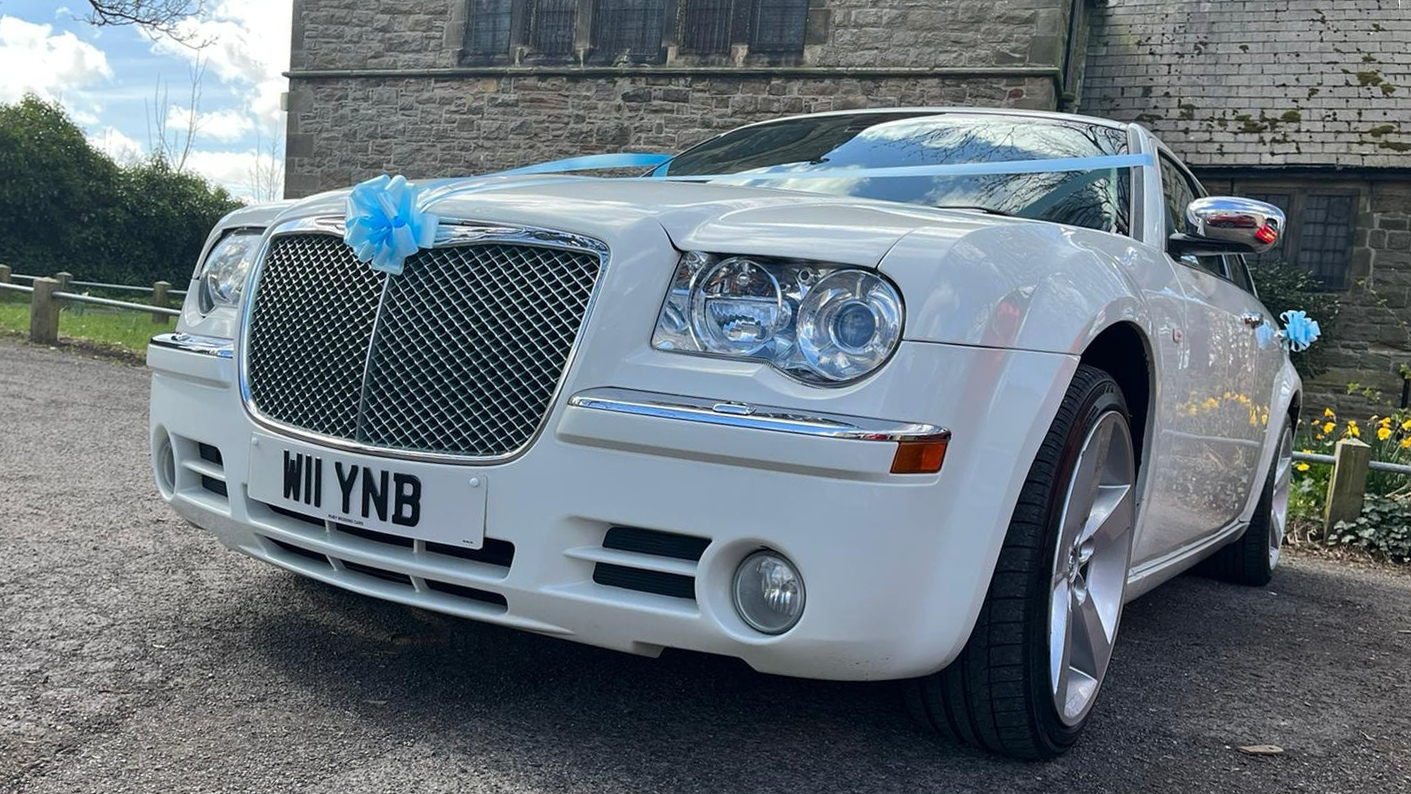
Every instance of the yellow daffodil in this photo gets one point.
(1329, 427)
(1328, 412)
(1352, 430)
(1383, 434)
(1406, 443)
(1301, 466)
(1406, 425)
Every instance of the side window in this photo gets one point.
(1239, 273)
(1179, 191)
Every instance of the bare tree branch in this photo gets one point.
(267, 172)
(174, 146)
(156, 16)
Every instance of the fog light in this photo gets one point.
(769, 593)
(166, 467)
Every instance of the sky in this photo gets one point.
(117, 82)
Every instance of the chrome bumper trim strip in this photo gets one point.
(192, 343)
(754, 417)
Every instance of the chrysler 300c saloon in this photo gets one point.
(914, 394)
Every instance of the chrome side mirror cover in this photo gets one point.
(1229, 225)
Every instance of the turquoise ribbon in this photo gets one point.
(640, 160)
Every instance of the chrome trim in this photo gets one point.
(451, 232)
(754, 417)
(193, 343)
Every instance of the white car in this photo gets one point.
(917, 394)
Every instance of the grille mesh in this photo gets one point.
(309, 330)
(462, 356)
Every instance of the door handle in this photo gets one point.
(1252, 319)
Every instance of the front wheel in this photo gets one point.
(1025, 683)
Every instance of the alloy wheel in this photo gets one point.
(1090, 566)
(1279, 507)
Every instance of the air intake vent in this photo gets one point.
(660, 544)
(655, 562)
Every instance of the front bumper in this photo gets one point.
(896, 565)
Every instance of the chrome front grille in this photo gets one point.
(459, 355)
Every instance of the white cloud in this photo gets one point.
(232, 170)
(247, 46)
(118, 146)
(224, 126)
(34, 58)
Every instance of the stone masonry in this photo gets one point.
(1291, 94)
(379, 85)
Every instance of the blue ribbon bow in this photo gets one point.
(1299, 331)
(383, 224)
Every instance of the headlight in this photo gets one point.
(222, 276)
(818, 323)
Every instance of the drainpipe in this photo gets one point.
(1075, 15)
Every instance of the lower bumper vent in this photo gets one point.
(655, 550)
(491, 561)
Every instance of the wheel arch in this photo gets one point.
(1124, 351)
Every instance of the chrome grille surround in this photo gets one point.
(425, 365)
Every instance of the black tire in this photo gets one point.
(996, 695)
(1247, 561)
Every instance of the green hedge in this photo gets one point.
(65, 205)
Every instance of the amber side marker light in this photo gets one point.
(919, 457)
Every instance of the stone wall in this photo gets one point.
(346, 130)
(424, 34)
(380, 85)
(1258, 82)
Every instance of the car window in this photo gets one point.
(1179, 191)
(1096, 199)
(1239, 272)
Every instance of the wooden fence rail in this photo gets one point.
(46, 295)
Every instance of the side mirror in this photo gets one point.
(1229, 225)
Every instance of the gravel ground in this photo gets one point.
(138, 655)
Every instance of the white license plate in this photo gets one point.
(426, 501)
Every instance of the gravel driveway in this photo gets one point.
(138, 655)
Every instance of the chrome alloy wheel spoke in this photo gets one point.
(1090, 567)
(1279, 509)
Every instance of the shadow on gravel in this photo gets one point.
(1201, 666)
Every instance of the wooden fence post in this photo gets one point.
(63, 277)
(159, 298)
(1348, 485)
(4, 274)
(44, 312)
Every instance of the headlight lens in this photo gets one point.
(818, 323)
(222, 276)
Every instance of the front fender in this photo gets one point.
(1023, 285)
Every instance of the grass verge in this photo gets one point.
(120, 330)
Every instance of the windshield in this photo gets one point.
(1096, 199)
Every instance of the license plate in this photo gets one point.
(445, 504)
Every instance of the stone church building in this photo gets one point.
(1305, 103)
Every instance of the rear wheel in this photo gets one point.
(1251, 560)
(1027, 679)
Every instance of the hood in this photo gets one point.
(710, 217)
